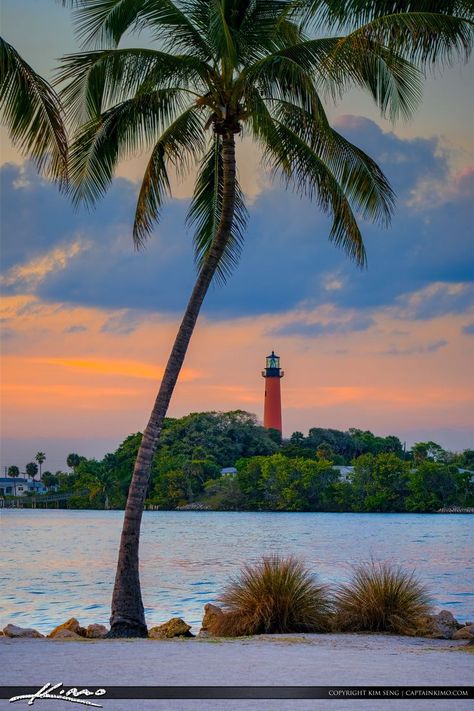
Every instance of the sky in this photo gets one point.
(88, 321)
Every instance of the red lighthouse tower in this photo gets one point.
(272, 408)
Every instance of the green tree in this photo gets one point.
(40, 458)
(49, 479)
(31, 469)
(31, 111)
(100, 480)
(224, 493)
(222, 436)
(73, 460)
(379, 483)
(14, 472)
(434, 485)
(225, 68)
(324, 451)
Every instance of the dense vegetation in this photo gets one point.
(327, 470)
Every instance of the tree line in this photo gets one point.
(326, 470)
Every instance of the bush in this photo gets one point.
(276, 595)
(382, 598)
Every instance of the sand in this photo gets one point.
(276, 660)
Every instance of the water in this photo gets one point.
(58, 564)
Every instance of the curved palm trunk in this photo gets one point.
(128, 617)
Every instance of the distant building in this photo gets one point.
(18, 486)
(344, 471)
(229, 471)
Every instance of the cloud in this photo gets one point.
(315, 329)
(469, 329)
(416, 350)
(430, 192)
(27, 277)
(437, 299)
(78, 328)
(286, 260)
(122, 323)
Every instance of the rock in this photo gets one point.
(63, 633)
(72, 625)
(21, 632)
(443, 625)
(211, 614)
(466, 632)
(96, 631)
(176, 627)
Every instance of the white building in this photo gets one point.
(19, 486)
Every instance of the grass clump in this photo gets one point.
(274, 596)
(382, 598)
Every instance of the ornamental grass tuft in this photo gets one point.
(382, 598)
(276, 595)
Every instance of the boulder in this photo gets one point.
(96, 631)
(176, 627)
(443, 625)
(211, 613)
(64, 633)
(466, 632)
(71, 625)
(21, 632)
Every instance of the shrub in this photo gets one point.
(276, 595)
(381, 598)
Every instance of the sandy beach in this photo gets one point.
(277, 660)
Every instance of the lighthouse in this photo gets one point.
(272, 408)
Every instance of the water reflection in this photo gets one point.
(60, 563)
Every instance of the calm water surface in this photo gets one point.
(58, 564)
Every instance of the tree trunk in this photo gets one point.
(128, 617)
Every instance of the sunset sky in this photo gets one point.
(88, 322)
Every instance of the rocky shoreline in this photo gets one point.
(443, 625)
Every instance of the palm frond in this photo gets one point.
(339, 63)
(360, 177)
(180, 144)
(32, 113)
(122, 131)
(104, 22)
(205, 213)
(422, 37)
(347, 14)
(95, 81)
(288, 155)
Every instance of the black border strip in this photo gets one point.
(253, 692)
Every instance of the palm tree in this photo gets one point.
(14, 472)
(73, 460)
(227, 68)
(31, 111)
(40, 458)
(32, 470)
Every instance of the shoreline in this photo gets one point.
(266, 660)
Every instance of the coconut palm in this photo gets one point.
(40, 458)
(14, 472)
(223, 69)
(31, 111)
(31, 470)
(73, 460)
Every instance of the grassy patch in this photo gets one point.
(381, 598)
(275, 596)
